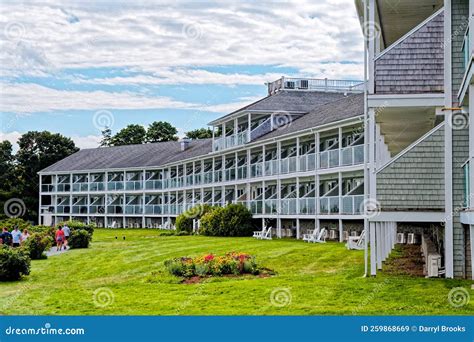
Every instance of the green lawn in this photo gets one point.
(319, 278)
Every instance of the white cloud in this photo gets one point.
(30, 98)
(150, 36)
(90, 141)
(11, 137)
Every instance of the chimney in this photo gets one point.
(185, 144)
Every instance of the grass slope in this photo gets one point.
(320, 278)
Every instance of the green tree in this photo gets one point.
(130, 135)
(159, 131)
(7, 166)
(106, 137)
(38, 150)
(200, 133)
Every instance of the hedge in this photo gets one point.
(184, 222)
(232, 220)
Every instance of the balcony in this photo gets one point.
(352, 155)
(63, 209)
(79, 209)
(304, 84)
(63, 187)
(97, 209)
(307, 206)
(133, 209)
(78, 187)
(115, 186)
(352, 205)
(153, 209)
(97, 186)
(115, 209)
(329, 205)
(238, 139)
(133, 185)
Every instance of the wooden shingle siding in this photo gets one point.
(415, 65)
(415, 181)
(459, 23)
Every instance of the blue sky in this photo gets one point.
(70, 67)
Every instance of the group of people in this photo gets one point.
(15, 238)
(62, 236)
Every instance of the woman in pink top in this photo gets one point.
(59, 238)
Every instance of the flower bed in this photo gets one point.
(211, 265)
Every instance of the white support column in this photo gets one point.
(263, 160)
(297, 196)
(249, 118)
(40, 221)
(236, 125)
(213, 138)
(339, 180)
(471, 122)
(378, 244)
(339, 138)
(316, 177)
(298, 229)
(297, 154)
(373, 254)
(143, 199)
(341, 230)
(471, 235)
(370, 32)
(448, 135)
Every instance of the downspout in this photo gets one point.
(366, 149)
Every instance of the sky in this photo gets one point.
(74, 67)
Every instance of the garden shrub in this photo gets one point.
(46, 230)
(14, 263)
(210, 265)
(80, 238)
(184, 222)
(37, 243)
(12, 222)
(232, 220)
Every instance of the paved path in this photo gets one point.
(53, 251)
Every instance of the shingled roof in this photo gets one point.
(288, 101)
(344, 108)
(130, 156)
(158, 154)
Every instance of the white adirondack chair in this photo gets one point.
(312, 236)
(356, 242)
(321, 238)
(264, 234)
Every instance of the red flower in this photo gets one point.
(209, 257)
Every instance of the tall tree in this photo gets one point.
(159, 131)
(6, 166)
(106, 137)
(130, 135)
(200, 133)
(38, 150)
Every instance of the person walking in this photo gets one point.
(67, 232)
(16, 237)
(59, 238)
(6, 237)
(25, 235)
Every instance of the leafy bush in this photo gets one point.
(232, 220)
(184, 222)
(14, 263)
(210, 265)
(37, 243)
(46, 230)
(79, 238)
(12, 222)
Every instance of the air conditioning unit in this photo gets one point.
(100, 225)
(433, 265)
(345, 235)
(289, 85)
(332, 234)
(150, 225)
(411, 239)
(303, 84)
(401, 238)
